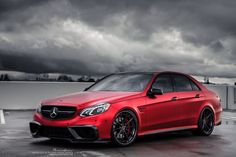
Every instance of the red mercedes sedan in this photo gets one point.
(120, 107)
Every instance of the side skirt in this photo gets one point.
(167, 130)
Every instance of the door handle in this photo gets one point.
(174, 98)
(197, 96)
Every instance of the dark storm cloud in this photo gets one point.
(12, 5)
(11, 9)
(201, 21)
(40, 64)
(103, 36)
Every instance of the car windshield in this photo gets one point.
(123, 82)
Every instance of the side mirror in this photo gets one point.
(155, 91)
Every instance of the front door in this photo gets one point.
(163, 111)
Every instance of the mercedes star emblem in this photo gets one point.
(54, 112)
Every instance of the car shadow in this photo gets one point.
(180, 139)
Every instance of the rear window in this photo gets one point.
(194, 86)
(181, 83)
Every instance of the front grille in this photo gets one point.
(56, 132)
(58, 112)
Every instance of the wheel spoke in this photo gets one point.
(119, 134)
(117, 123)
(209, 116)
(209, 124)
(203, 125)
(129, 121)
(207, 127)
(116, 129)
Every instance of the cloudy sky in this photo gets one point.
(105, 36)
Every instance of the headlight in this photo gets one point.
(38, 110)
(94, 110)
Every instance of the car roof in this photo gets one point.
(135, 73)
(156, 72)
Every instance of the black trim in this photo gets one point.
(35, 128)
(80, 133)
(84, 132)
(86, 89)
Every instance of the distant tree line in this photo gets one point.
(60, 78)
(65, 78)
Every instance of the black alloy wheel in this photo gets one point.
(124, 128)
(205, 123)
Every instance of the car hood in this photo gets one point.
(90, 98)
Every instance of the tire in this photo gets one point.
(205, 123)
(124, 128)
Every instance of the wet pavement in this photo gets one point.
(15, 140)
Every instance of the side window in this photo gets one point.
(164, 83)
(181, 83)
(194, 86)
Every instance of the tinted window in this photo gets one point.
(164, 83)
(194, 86)
(182, 83)
(123, 82)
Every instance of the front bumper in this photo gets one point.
(97, 126)
(74, 133)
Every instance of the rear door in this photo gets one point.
(189, 97)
